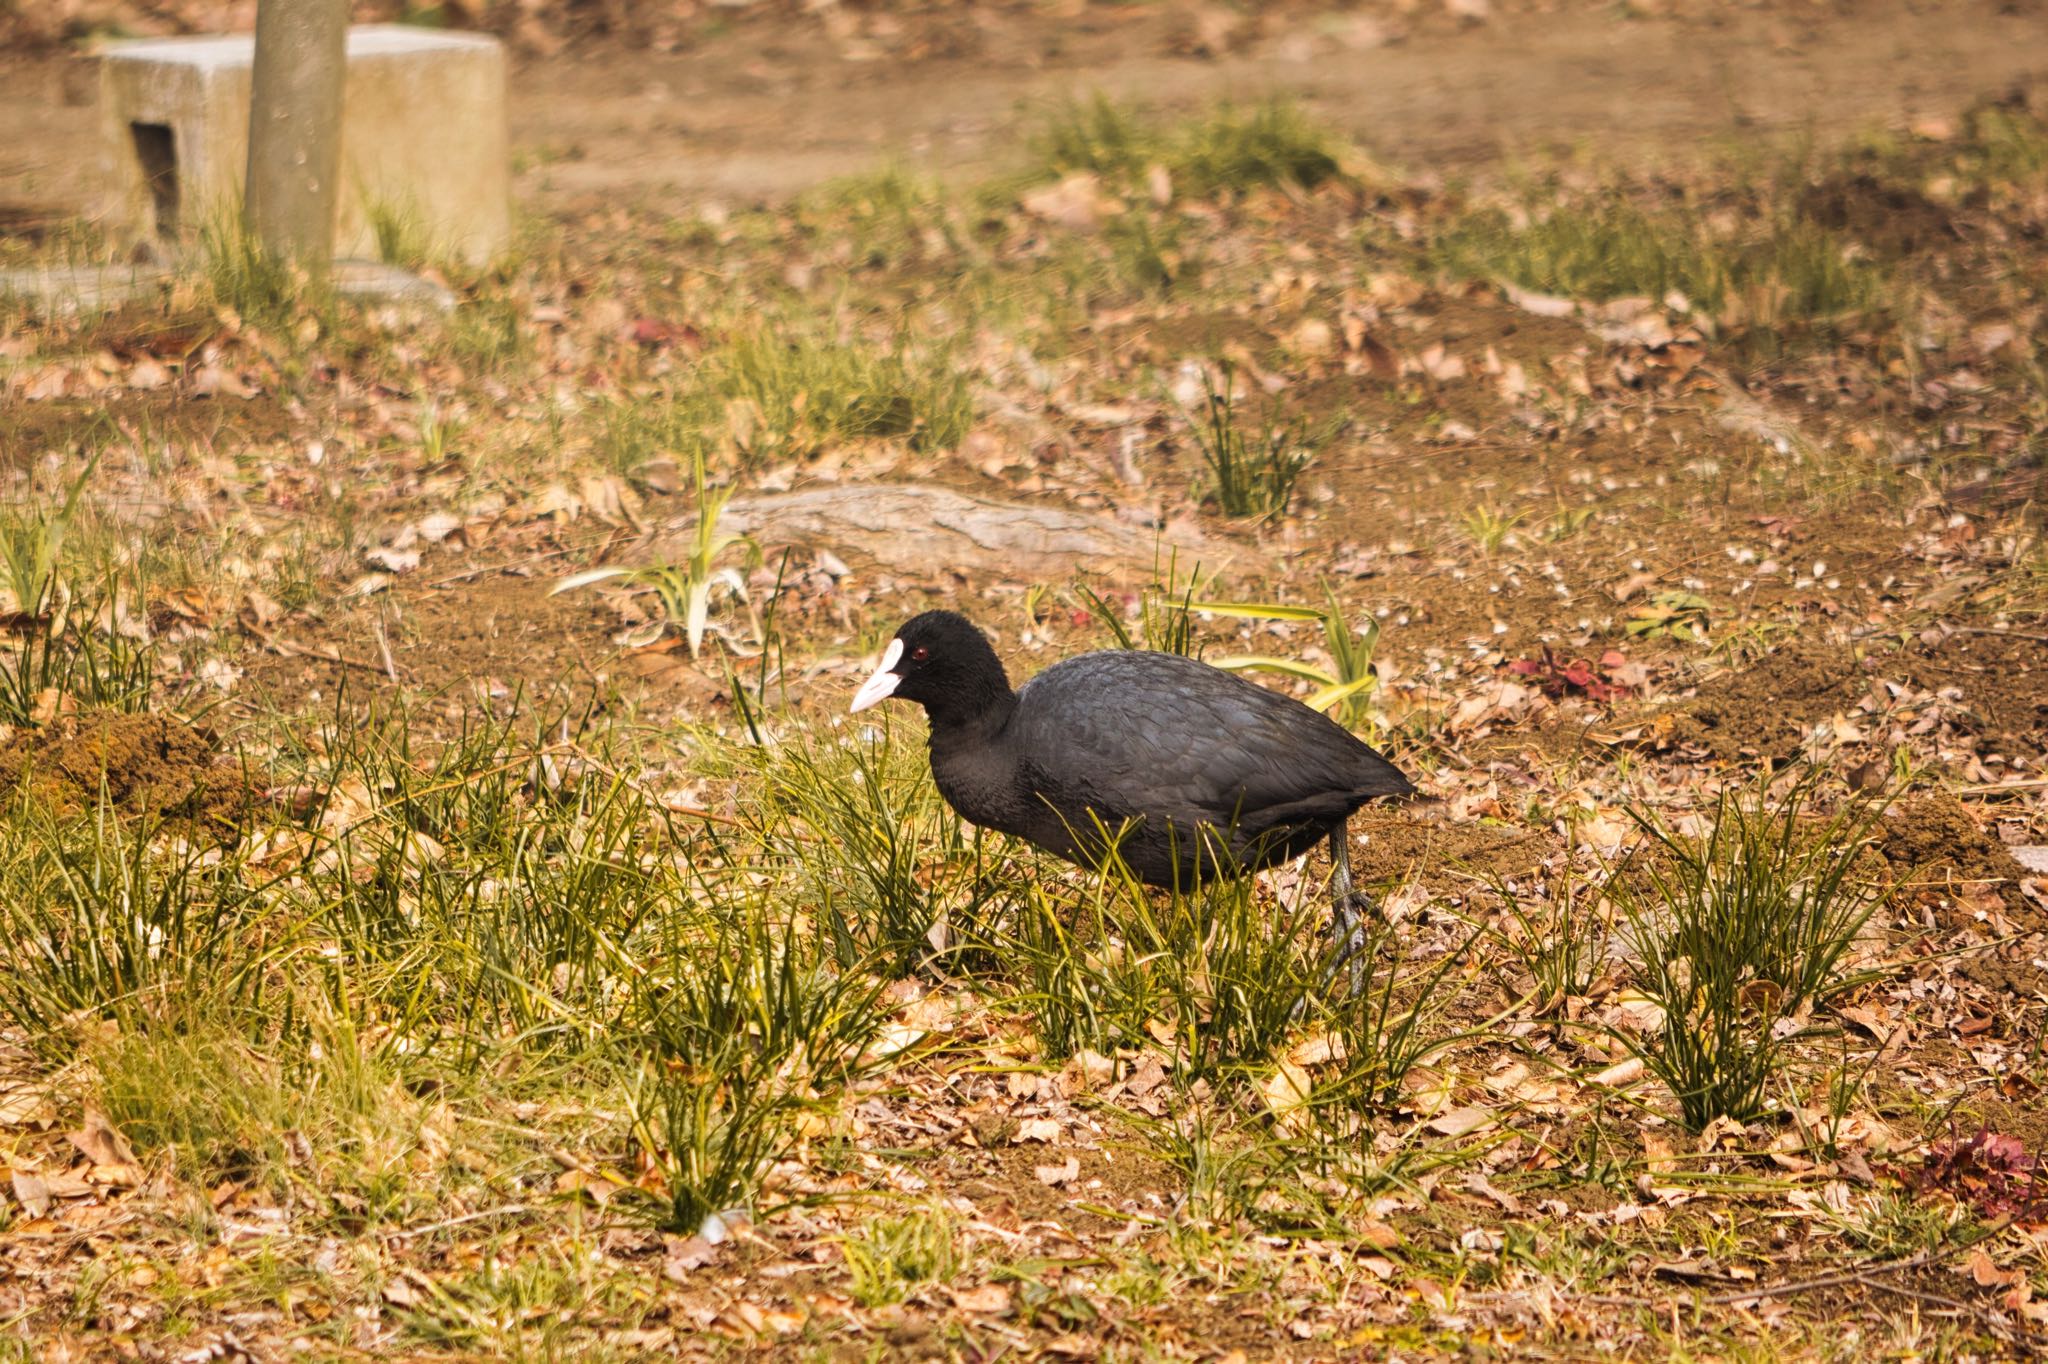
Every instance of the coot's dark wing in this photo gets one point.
(1130, 733)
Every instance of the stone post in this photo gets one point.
(295, 128)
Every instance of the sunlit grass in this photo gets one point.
(1231, 148)
(1782, 272)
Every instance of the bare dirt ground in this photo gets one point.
(765, 108)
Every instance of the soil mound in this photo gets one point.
(150, 765)
(1936, 833)
(1933, 840)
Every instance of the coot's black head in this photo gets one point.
(943, 663)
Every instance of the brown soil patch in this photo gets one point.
(2025, 1118)
(2003, 679)
(29, 430)
(761, 104)
(486, 637)
(153, 765)
(1891, 220)
(1400, 846)
(1762, 711)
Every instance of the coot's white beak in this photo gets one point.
(882, 685)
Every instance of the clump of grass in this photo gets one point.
(1610, 248)
(892, 875)
(684, 589)
(401, 232)
(1231, 148)
(1738, 935)
(891, 1257)
(1240, 147)
(1560, 946)
(268, 291)
(1254, 462)
(748, 1026)
(1800, 275)
(1388, 1024)
(1558, 942)
(101, 923)
(1568, 522)
(429, 895)
(1670, 614)
(1101, 135)
(800, 395)
(767, 396)
(1147, 252)
(1167, 611)
(1165, 617)
(1887, 1224)
(226, 1104)
(1306, 1169)
(1070, 1007)
(882, 220)
(1228, 1173)
(1212, 971)
(68, 646)
(2004, 142)
(1773, 286)
(1490, 528)
(486, 331)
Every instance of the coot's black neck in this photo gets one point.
(976, 701)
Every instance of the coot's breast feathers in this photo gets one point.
(1125, 732)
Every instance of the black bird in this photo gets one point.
(1201, 772)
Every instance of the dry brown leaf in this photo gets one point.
(1320, 1049)
(1056, 1175)
(989, 1299)
(1461, 1121)
(32, 1192)
(25, 1105)
(1620, 1073)
(1986, 1274)
(100, 1142)
(1148, 1075)
(1286, 1093)
(1076, 203)
(1085, 1071)
(686, 1254)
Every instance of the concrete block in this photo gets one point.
(423, 138)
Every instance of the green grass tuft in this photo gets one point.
(1738, 934)
(766, 396)
(1782, 285)
(1254, 461)
(889, 1258)
(1229, 149)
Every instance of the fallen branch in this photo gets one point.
(280, 645)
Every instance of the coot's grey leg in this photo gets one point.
(1348, 908)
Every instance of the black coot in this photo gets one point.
(1203, 772)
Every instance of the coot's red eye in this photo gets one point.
(920, 654)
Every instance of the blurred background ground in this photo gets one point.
(666, 103)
